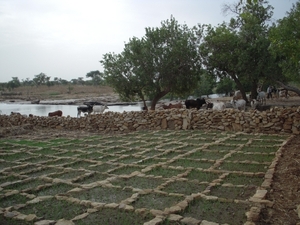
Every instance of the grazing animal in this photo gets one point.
(262, 107)
(35, 102)
(283, 94)
(15, 113)
(253, 103)
(261, 97)
(209, 105)
(215, 105)
(99, 108)
(195, 103)
(239, 104)
(219, 106)
(56, 113)
(84, 109)
(173, 106)
(237, 95)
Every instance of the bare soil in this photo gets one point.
(285, 189)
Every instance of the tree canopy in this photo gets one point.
(165, 60)
(239, 50)
(285, 43)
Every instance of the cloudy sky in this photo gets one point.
(68, 38)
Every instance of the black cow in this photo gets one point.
(85, 109)
(195, 103)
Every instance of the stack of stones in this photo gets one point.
(276, 120)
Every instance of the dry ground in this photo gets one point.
(285, 190)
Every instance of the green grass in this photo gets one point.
(128, 159)
(202, 176)
(47, 151)
(13, 221)
(44, 171)
(68, 175)
(12, 200)
(103, 167)
(237, 179)
(191, 163)
(53, 190)
(157, 201)
(23, 185)
(184, 187)
(218, 212)
(170, 166)
(103, 194)
(115, 217)
(139, 182)
(15, 156)
(253, 148)
(46, 209)
(150, 161)
(222, 147)
(240, 193)
(10, 178)
(245, 167)
(251, 157)
(80, 164)
(164, 172)
(126, 170)
(212, 155)
(91, 178)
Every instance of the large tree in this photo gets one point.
(165, 60)
(14, 83)
(285, 46)
(40, 79)
(240, 49)
(96, 77)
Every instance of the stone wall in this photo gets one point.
(276, 120)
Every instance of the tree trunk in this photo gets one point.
(289, 88)
(157, 97)
(240, 87)
(254, 90)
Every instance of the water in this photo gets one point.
(68, 110)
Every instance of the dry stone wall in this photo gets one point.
(276, 120)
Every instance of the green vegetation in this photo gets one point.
(142, 177)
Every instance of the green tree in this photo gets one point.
(97, 77)
(41, 79)
(240, 49)
(206, 85)
(220, 53)
(225, 85)
(285, 46)
(164, 61)
(14, 83)
(27, 82)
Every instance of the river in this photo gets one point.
(68, 110)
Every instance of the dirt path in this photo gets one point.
(285, 192)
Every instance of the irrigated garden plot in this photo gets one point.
(135, 178)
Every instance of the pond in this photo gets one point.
(68, 110)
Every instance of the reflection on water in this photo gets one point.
(71, 110)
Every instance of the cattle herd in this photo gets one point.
(237, 102)
(88, 108)
(91, 108)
